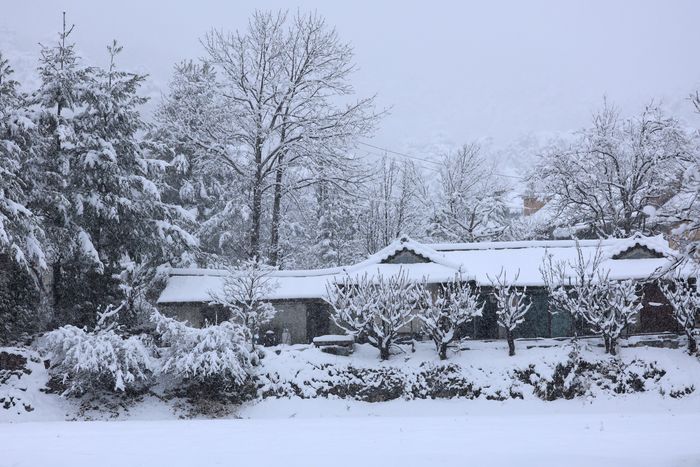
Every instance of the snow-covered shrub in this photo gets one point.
(375, 308)
(215, 358)
(245, 293)
(367, 384)
(512, 305)
(685, 301)
(443, 312)
(443, 382)
(99, 360)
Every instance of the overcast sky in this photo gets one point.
(450, 71)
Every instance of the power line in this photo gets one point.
(409, 156)
(400, 154)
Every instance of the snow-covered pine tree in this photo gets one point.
(59, 97)
(99, 190)
(21, 235)
(444, 311)
(684, 298)
(245, 295)
(117, 197)
(20, 229)
(336, 241)
(375, 308)
(512, 305)
(212, 191)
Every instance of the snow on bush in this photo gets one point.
(208, 356)
(443, 312)
(553, 373)
(685, 301)
(92, 361)
(375, 308)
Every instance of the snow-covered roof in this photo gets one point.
(481, 262)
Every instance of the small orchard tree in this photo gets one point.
(245, 293)
(512, 305)
(376, 308)
(443, 312)
(608, 307)
(685, 302)
(619, 306)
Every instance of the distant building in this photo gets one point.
(300, 294)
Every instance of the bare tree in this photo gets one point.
(682, 212)
(375, 308)
(513, 304)
(471, 203)
(615, 170)
(281, 81)
(245, 293)
(442, 313)
(583, 290)
(394, 205)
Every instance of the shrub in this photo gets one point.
(213, 359)
(100, 360)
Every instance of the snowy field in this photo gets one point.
(415, 433)
(648, 428)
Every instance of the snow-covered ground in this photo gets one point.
(407, 433)
(648, 428)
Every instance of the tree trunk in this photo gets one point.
(56, 285)
(606, 341)
(384, 351)
(511, 343)
(613, 344)
(692, 343)
(256, 216)
(442, 351)
(276, 208)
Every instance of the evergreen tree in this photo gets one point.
(21, 251)
(20, 230)
(59, 97)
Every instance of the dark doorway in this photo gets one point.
(318, 320)
(656, 314)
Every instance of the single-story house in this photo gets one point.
(300, 295)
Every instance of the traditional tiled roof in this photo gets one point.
(480, 262)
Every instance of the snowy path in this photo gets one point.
(657, 438)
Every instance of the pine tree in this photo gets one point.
(218, 206)
(99, 190)
(20, 229)
(59, 97)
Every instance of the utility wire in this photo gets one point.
(409, 156)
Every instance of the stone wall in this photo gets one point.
(292, 315)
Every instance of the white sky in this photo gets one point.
(450, 71)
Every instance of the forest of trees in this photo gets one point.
(252, 155)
